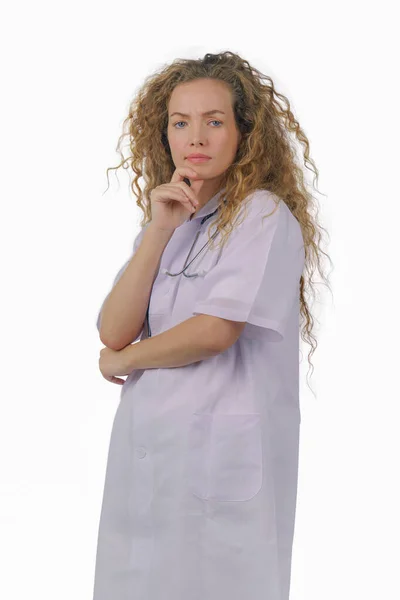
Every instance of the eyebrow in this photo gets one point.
(208, 112)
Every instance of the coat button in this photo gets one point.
(140, 452)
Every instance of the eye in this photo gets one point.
(213, 121)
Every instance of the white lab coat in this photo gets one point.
(201, 481)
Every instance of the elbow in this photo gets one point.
(119, 344)
(106, 342)
(112, 344)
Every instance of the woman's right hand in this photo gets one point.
(172, 203)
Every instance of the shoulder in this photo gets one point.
(265, 203)
(267, 213)
(260, 203)
(261, 210)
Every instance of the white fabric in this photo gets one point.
(201, 482)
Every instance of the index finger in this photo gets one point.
(181, 172)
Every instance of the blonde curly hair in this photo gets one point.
(265, 158)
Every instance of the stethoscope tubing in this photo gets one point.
(185, 265)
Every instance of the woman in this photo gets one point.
(200, 490)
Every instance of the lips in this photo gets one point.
(198, 160)
(198, 156)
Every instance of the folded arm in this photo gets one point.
(193, 340)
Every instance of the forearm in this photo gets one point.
(124, 310)
(186, 343)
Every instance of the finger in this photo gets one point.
(113, 379)
(181, 172)
(178, 192)
(189, 193)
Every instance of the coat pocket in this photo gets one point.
(225, 456)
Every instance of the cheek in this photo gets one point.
(228, 142)
(174, 140)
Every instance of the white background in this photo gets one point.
(69, 71)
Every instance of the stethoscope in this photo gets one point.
(185, 266)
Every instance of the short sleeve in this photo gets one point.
(257, 276)
(136, 244)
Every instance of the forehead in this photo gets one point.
(200, 97)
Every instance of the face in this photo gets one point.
(214, 134)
